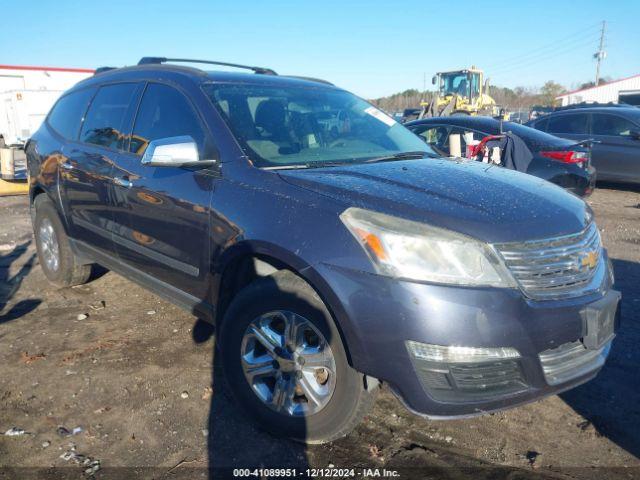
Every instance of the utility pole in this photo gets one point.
(600, 54)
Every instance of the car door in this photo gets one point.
(162, 213)
(86, 171)
(617, 155)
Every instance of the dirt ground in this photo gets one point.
(136, 375)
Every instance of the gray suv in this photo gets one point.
(615, 129)
(331, 247)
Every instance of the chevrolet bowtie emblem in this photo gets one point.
(589, 260)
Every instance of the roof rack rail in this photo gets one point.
(103, 69)
(592, 105)
(311, 79)
(160, 60)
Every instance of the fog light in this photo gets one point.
(455, 354)
(466, 374)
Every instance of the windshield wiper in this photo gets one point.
(307, 165)
(402, 156)
(285, 167)
(320, 164)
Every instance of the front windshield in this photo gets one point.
(309, 126)
(454, 83)
(475, 84)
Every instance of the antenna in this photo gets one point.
(600, 54)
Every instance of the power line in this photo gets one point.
(542, 58)
(587, 32)
(576, 43)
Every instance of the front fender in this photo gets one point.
(311, 273)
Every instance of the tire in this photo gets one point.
(51, 239)
(351, 398)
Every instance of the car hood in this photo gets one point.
(489, 203)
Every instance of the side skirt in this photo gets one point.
(200, 308)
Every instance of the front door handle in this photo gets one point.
(123, 182)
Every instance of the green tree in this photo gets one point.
(549, 92)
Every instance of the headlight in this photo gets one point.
(415, 251)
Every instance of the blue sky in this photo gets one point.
(372, 48)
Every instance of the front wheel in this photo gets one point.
(285, 363)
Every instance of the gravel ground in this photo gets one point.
(136, 377)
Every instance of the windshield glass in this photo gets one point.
(309, 126)
(453, 83)
(475, 84)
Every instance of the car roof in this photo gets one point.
(630, 112)
(486, 123)
(168, 71)
(616, 109)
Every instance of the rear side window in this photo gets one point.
(66, 115)
(104, 124)
(164, 112)
(611, 125)
(573, 124)
(541, 125)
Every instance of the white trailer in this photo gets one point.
(23, 112)
(608, 92)
(27, 94)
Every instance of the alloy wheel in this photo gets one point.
(288, 363)
(49, 246)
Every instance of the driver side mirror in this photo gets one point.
(174, 152)
(434, 79)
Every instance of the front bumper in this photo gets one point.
(378, 315)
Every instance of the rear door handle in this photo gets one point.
(123, 182)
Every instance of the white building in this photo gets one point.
(625, 90)
(27, 94)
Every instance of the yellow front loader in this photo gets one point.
(460, 92)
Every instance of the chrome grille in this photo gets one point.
(557, 267)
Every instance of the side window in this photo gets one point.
(437, 137)
(467, 137)
(66, 115)
(574, 124)
(611, 125)
(105, 121)
(541, 125)
(165, 112)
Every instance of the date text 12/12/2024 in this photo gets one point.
(329, 472)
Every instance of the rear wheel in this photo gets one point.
(285, 363)
(57, 260)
